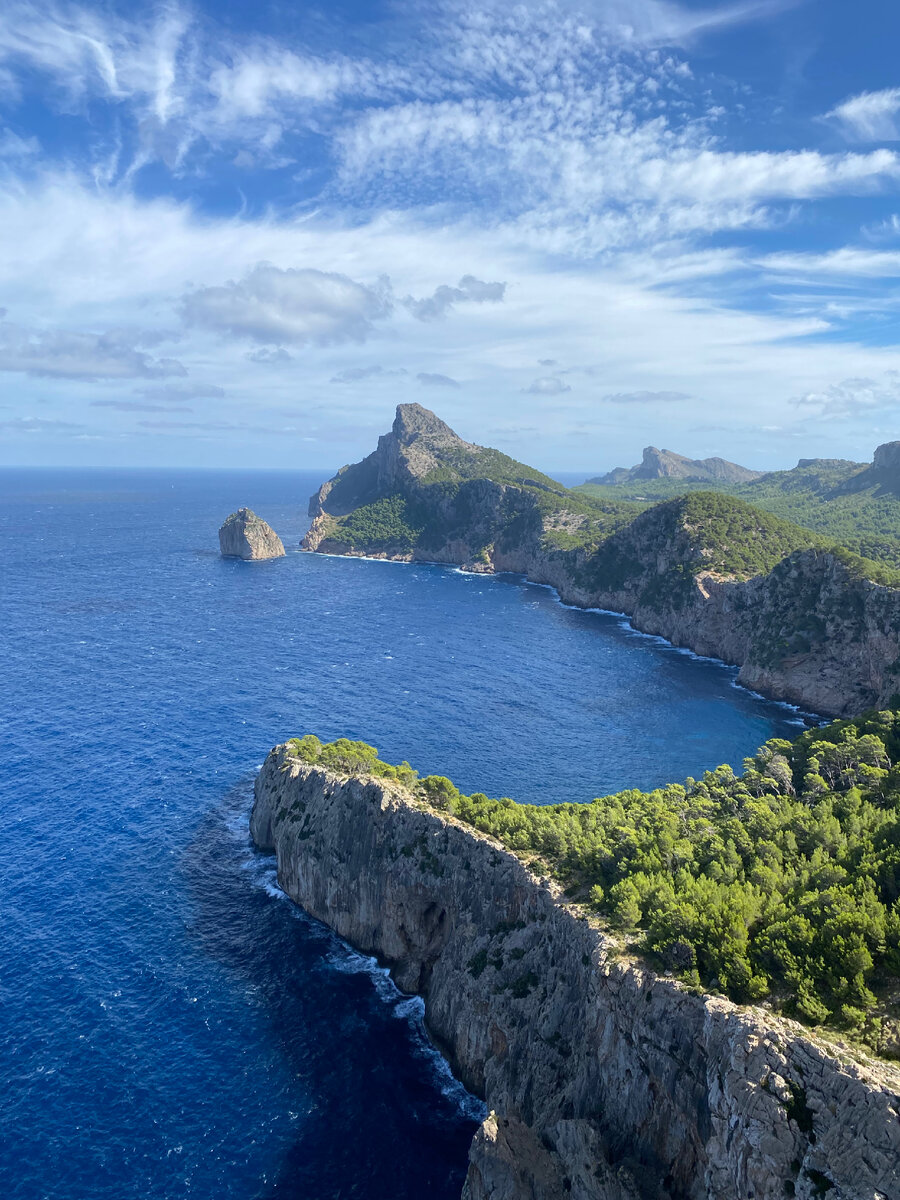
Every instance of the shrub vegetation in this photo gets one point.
(779, 883)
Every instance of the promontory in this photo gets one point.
(806, 619)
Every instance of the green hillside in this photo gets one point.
(819, 495)
(781, 883)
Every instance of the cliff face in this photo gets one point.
(245, 535)
(604, 1081)
(883, 474)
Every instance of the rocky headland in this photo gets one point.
(805, 621)
(247, 536)
(604, 1080)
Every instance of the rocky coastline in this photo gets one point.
(605, 1081)
(812, 630)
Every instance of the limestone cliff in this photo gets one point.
(711, 573)
(245, 535)
(604, 1080)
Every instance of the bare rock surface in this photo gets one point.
(604, 1080)
(245, 535)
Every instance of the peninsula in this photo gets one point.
(806, 620)
(608, 1078)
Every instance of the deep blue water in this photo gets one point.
(169, 1025)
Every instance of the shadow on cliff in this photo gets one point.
(376, 1123)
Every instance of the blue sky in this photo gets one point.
(240, 234)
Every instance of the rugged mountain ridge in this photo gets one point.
(855, 504)
(605, 1081)
(802, 620)
(666, 464)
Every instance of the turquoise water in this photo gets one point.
(172, 1027)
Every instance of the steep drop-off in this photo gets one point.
(803, 620)
(604, 1080)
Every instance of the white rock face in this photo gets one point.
(604, 1081)
(245, 535)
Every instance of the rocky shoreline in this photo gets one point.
(605, 1081)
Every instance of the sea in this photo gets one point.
(171, 1026)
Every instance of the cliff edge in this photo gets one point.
(604, 1080)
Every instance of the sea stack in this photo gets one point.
(245, 535)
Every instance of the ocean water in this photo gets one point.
(171, 1026)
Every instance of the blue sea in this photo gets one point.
(170, 1025)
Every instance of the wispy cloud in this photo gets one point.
(297, 306)
(646, 397)
(870, 116)
(428, 379)
(547, 385)
(71, 354)
(444, 298)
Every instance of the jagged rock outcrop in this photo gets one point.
(417, 443)
(604, 1080)
(666, 464)
(245, 535)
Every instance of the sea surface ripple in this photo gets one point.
(171, 1025)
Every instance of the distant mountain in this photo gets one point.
(856, 504)
(666, 464)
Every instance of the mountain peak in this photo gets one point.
(413, 420)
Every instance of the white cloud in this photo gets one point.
(667, 23)
(547, 385)
(851, 398)
(68, 354)
(848, 261)
(442, 300)
(297, 306)
(870, 116)
(428, 379)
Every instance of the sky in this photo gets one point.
(239, 234)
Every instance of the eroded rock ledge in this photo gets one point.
(604, 1081)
